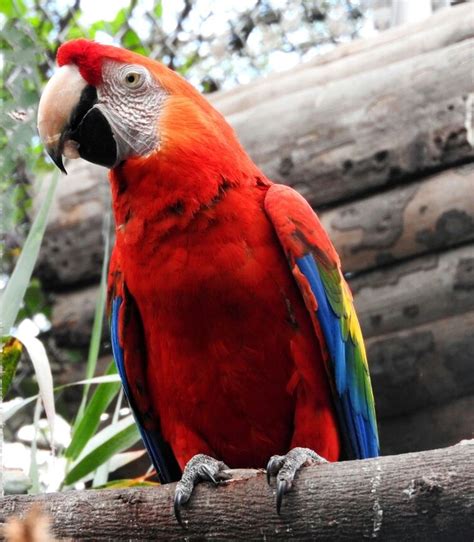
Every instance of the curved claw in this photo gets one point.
(207, 473)
(178, 501)
(199, 468)
(273, 466)
(285, 467)
(283, 486)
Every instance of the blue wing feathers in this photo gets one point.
(116, 348)
(328, 320)
(353, 401)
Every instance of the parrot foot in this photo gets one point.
(285, 467)
(200, 468)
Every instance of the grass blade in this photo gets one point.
(14, 293)
(39, 359)
(117, 462)
(102, 473)
(89, 422)
(34, 474)
(10, 408)
(120, 440)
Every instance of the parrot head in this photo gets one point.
(109, 105)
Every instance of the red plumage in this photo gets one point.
(232, 366)
(220, 350)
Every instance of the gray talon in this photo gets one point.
(198, 469)
(283, 486)
(274, 465)
(178, 500)
(285, 468)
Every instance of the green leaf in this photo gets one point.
(12, 8)
(10, 408)
(74, 33)
(14, 292)
(39, 359)
(89, 422)
(9, 358)
(117, 443)
(119, 21)
(101, 475)
(34, 301)
(34, 474)
(158, 9)
(131, 40)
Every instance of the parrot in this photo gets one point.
(232, 326)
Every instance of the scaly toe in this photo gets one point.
(274, 465)
(198, 469)
(285, 468)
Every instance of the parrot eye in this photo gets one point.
(133, 79)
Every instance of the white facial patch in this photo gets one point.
(130, 99)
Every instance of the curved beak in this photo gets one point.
(71, 123)
(60, 97)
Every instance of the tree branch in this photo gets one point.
(419, 496)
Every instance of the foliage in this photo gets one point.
(10, 356)
(12, 296)
(97, 448)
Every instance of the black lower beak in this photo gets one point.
(56, 155)
(90, 131)
(95, 139)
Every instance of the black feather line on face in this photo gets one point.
(91, 130)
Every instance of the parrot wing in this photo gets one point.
(129, 350)
(316, 267)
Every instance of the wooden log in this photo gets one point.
(433, 214)
(425, 216)
(73, 248)
(397, 44)
(72, 318)
(424, 429)
(415, 292)
(367, 131)
(426, 496)
(424, 366)
(389, 300)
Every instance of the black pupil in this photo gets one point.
(131, 78)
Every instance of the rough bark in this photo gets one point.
(398, 297)
(394, 45)
(415, 292)
(423, 366)
(422, 217)
(73, 315)
(366, 131)
(73, 247)
(333, 142)
(424, 496)
(428, 428)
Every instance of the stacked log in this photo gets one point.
(378, 136)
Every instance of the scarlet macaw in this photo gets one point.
(233, 329)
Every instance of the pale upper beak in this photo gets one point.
(60, 96)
